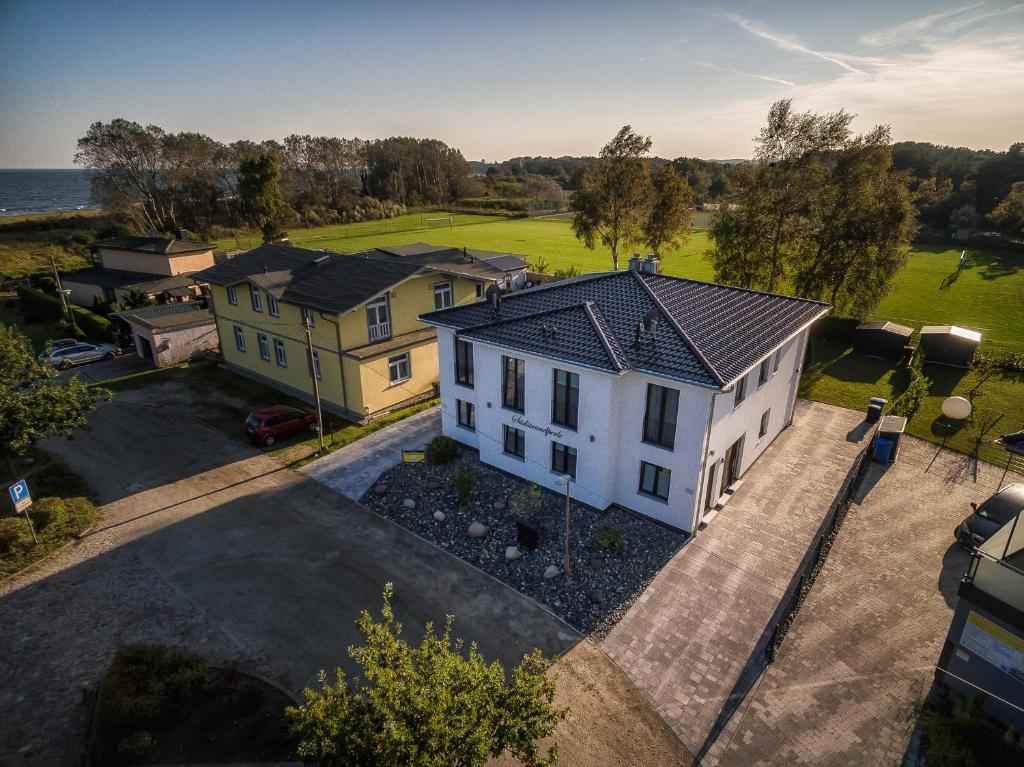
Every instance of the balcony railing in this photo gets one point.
(380, 331)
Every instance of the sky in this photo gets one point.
(504, 79)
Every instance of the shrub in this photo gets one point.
(609, 537)
(8, 535)
(136, 747)
(527, 503)
(37, 305)
(465, 484)
(441, 450)
(41, 517)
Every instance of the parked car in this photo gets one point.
(991, 515)
(64, 343)
(78, 354)
(267, 426)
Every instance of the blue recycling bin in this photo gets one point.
(883, 450)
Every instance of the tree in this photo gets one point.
(137, 298)
(614, 197)
(1008, 215)
(258, 189)
(431, 705)
(33, 402)
(668, 222)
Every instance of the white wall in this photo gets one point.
(175, 346)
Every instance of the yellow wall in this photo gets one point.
(155, 263)
(376, 390)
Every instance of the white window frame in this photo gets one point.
(395, 363)
(257, 300)
(280, 353)
(741, 392)
(465, 406)
(442, 290)
(316, 365)
(272, 307)
(239, 339)
(764, 373)
(264, 346)
(766, 420)
(307, 314)
(232, 295)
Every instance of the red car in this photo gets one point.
(267, 426)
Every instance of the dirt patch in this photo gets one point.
(608, 722)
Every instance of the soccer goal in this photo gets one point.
(440, 222)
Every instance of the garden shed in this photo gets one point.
(949, 344)
(171, 333)
(881, 339)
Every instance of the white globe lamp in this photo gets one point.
(956, 408)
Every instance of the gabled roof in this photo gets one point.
(469, 261)
(162, 245)
(705, 333)
(315, 279)
(109, 278)
(888, 327)
(167, 316)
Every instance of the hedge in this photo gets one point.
(43, 305)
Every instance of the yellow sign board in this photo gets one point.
(412, 456)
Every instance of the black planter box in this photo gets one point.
(527, 533)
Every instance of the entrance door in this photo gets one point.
(146, 348)
(710, 497)
(732, 463)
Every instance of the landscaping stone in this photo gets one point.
(381, 489)
(620, 576)
(440, 516)
(512, 553)
(596, 596)
(409, 503)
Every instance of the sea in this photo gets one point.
(44, 191)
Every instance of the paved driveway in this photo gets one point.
(864, 646)
(693, 642)
(351, 470)
(208, 544)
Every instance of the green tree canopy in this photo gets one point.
(614, 197)
(1008, 215)
(434, 705)
(668, 221)
(34, 403)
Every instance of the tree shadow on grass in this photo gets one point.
(994, 264)
(945, 379)
(859, 368)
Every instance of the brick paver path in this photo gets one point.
(864, 645)
(693, 642)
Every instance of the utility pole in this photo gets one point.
(60, 292)
(316, 384)
(565, 556)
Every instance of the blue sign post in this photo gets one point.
(22, 500)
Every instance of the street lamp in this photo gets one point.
(565, 480)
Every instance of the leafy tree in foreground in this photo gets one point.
(614, 197)
(33, 402)
(668, 222)
(431, 705)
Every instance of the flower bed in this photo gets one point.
(604, 579)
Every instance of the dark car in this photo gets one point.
(267, 426)
(991, 515)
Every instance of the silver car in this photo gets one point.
(78, 354)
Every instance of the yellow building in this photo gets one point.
(370, 352)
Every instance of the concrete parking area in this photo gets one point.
(694, 641)
(863, 648)
(105, 370)
(208, 544)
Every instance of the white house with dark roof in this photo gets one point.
(652, 392)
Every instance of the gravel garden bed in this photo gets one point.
(604, 578)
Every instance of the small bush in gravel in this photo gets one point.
(609, 538)
(465, 484)
(441, 450)
(526, 503)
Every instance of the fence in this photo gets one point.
(819, 552)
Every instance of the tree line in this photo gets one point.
(166, 181)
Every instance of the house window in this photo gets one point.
(257, 300)
(464, 362)
(565, 403)
(307, 315)
(741, 391)
(264, 346)
(778, 356)
(765, 418)
(378, 319)
(563, 459)
(272, 306)
(232, 295)
(316, 364)
(479, 291)
(513, 372)
(766, 371)
(442, 295)
(282, 359)
(398, 368)
(515, 441)
(660, 418)
(654, 480)
(239, 339)
(467, 413)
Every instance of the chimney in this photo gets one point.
(636, 263)
(651, 263)
(493, 296)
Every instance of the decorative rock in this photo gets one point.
(25, 751)
(381, 489)
(499, 505)
(512, 553)
(409, 503)
(439, 516)
(596, 596)
(550, 572)
(477, 530)
(433, 486)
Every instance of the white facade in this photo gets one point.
(609, 436)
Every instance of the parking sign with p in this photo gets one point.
(20, 495)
